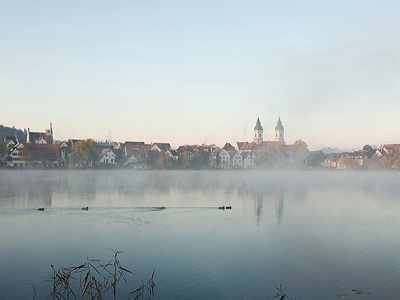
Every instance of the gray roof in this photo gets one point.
(258, 125)
(279, 125)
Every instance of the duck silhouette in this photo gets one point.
(85, 208)
(41, 208)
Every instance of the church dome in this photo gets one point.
(258, 125)
(279, 125)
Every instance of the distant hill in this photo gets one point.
(12, 131)
(329, 150)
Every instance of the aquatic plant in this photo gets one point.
(97, 280)
(282, 295)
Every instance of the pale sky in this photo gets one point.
(192, 72)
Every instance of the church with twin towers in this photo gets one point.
(258, 141)
(279, 134)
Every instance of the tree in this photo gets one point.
(185, 159)
(315, 159)
(84, 153)
(392, 160)
(374, 163)
(89, 152)
(119, 157)
(351, 163)
(160, 161)
(299, 153)
(41, 154)
(217, 160)
(268, 157)
(200, 160)
(3, 150)
(12, 131)
(368, 149)
(26, 155)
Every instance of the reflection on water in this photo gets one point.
(279, 206)
(325, 232)
(258, 201)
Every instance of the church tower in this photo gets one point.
(258, 132)
(279, 131)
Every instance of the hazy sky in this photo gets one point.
(190, 72)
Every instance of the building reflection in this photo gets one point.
(278, 196)
(279, 201)
(41, 195)
(258, 203)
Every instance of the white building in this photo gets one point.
(248, 160)
(224, 159)
(107, 156)
(14, 158)
(237, 161)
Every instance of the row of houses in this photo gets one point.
(366, 158)
(40, 152)
(40, 149)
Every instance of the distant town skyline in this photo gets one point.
(203, 71)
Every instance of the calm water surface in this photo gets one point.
(318, 233)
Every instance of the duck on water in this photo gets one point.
(225, 207)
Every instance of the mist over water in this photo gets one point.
(319, 233)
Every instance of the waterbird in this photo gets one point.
(221, 207)
(41, 208)
(228, 207)
(85, 208)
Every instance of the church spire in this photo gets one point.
(258, 132)
(279, 131)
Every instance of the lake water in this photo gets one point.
(319, 233)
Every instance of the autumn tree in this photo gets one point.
(374, 163)
(185, 159)
(26, 155)
(392, 160)
(84, 153)
(351, 163)
(160, 161)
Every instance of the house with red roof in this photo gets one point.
(134, 152)
(40, 137)
(36, 155)
(391, 148)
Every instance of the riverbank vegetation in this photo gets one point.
(96, 280)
